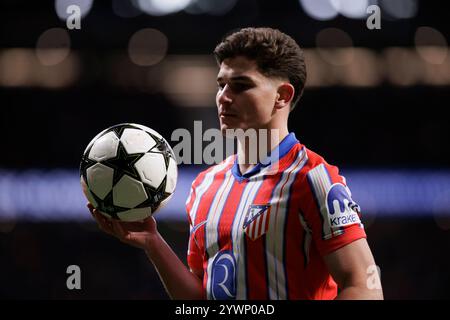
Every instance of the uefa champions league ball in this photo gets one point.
(128, 172)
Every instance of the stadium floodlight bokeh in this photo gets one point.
(55, 196)
(431, 45)
(53, 46)
(324, 10)
(144, 52)
(161, 7)
(330, 9)
(62, 5)
(126, 9)
(215, 8)
(400, 9)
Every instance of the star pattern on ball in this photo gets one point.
(123, 163)
(120, 128)
(155, 196)
(85, 164)
(162, 148)
(107, 206)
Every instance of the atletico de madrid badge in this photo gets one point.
(257, 220)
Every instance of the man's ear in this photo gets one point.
(285, 94)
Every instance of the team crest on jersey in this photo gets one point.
(342, 210)
(257, 220)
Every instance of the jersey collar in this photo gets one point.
(279, 152)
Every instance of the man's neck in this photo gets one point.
(253, 150)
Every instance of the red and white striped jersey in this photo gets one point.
(263, 234)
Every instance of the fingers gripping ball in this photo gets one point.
(128, 172)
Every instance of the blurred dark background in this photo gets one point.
(375, 102)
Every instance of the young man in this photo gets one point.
(286, 228)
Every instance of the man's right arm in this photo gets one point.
(179, 282)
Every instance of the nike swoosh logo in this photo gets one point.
(198, 225)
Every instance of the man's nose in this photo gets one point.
(224, 96)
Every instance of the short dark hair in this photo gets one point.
(276, 54)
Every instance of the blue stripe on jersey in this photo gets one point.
(316, 199)
(221, 212)
(209, 210)
(265, 244)
(246, 269)
(304, 244)
(243, 253)
(302, 152)
(245, 247)
(248, 185)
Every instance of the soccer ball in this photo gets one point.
(128, 171)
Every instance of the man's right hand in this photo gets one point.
(139, 234)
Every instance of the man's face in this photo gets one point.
(245, 97)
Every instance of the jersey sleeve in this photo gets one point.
(331, 213)
(194, 256)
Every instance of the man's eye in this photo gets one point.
(239, 87)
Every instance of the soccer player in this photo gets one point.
(282, 228)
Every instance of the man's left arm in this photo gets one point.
(353, 268)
